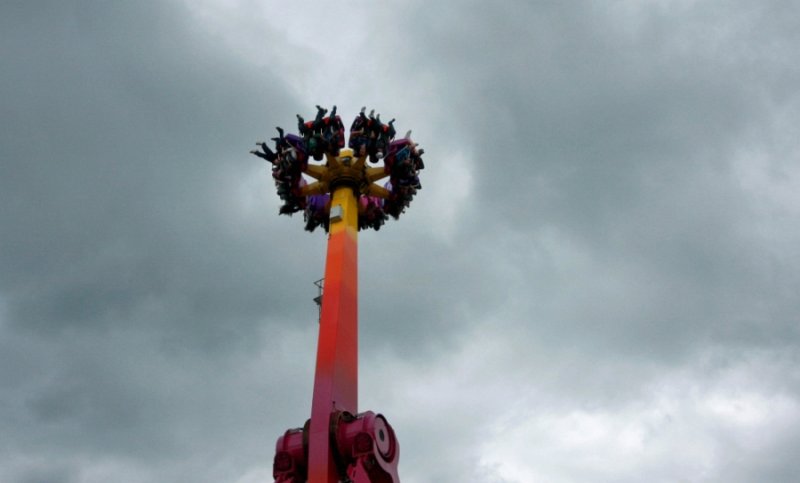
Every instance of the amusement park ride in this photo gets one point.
(338, 444)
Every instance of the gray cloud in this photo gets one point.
(598, 278)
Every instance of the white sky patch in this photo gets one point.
(768, 172)
(447, 185)
(270, 35)
(772, 180)
(328, 39)
(256, 192)
(257, 475)
(87, 471)
(453, 399)
(688, 429)
(328, 53)
(3, 309)
(100, 471)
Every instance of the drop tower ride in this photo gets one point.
(338, 443)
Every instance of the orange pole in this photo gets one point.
(336, 376)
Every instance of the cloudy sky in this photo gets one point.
(599, 282)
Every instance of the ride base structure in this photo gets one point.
(338, 443)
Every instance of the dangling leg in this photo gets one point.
(260, 154)
(266, 154)
(320, 114)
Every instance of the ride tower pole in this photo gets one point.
(336, 376)
(337, 443)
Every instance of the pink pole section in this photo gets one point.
(336, 377)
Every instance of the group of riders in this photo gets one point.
(370, 138)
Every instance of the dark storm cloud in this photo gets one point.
(617, 129)
(116, 158)
(128, 254)
(611, 231)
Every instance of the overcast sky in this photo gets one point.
(598, 282)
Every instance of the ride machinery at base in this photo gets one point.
(339, 443)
